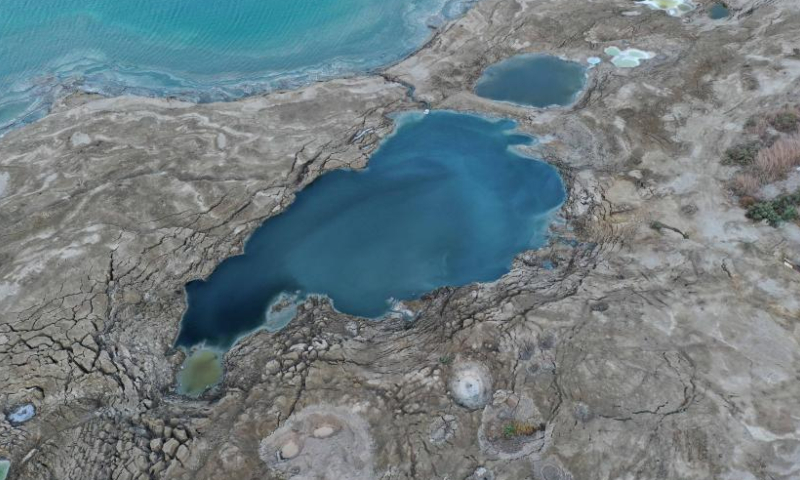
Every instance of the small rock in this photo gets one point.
(155, 444)
(292, 356)
(324, 431)
(180, 435)
(290, 450)
(156, 426)
(158, 468)
(599, 307)
(105, 363)
(79, 139)
(167, 432)
(222, 141)
(182, 454)
(170, 447)
(272, 367)
(481, 473)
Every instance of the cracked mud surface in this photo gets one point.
(646, 354)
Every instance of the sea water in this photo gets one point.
(201, 50)
(446, 200)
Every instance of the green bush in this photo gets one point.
(742, 154)
(777, 211)
(785, 121)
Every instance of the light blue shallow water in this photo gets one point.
(535, 80)
(445, 201)
(201, 50)
(22, 413)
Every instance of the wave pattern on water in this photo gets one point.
(198, 50)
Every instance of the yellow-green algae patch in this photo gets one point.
(628, 58)
(201, 370)
(674, 8)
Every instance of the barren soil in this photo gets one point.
(645, 353)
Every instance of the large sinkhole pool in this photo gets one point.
(200, 50)
(446, 200)
(533, 80)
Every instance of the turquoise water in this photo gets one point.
(718, 11)
(202, 50)
(535, 80)
(444, 201)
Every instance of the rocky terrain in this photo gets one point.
(656, 337)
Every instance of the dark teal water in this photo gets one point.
(535, 80)
(718, 11)
(200, 50)
(444, 201)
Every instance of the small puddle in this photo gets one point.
(719, 11)
(21, 414)
(5, 466)
(201, 370)
(533, 80)
(445, 200)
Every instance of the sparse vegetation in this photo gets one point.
(520, 429)
(742, 154)
(769, 158)
(446, 359)
(746, 184)
(775, 161)
(777, 211)
(785, 121)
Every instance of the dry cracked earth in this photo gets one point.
(656, 337)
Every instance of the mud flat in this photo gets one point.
(654, 336)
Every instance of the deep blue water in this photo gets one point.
(444, 201)
(718, 11)
(534, 80)
(201, 50)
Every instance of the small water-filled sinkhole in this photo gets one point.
(718, 11)
(445, 200)
(534, 80)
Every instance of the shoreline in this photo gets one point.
(274, 82)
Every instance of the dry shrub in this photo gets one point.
(746, 201)
(746, 184)
(776, 161)
(758, 126)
